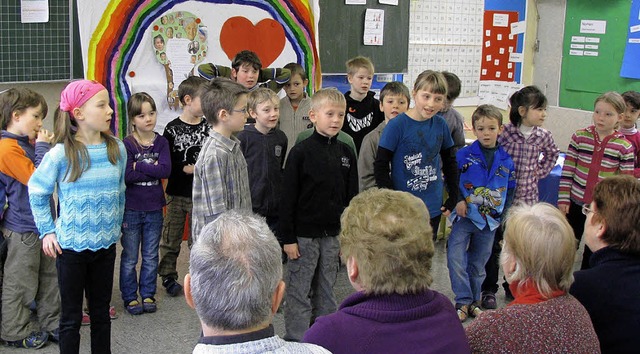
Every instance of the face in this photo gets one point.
(630, 117)
(246, 75)
(145, 122)
(392, 105)
(295, 88)
(195, 107)
(487, 131)
(360, 81)
(266, 114)
(533, 117)
(592, 229)
(95, 114)
(605, 118)
(427, 103)
(158, 43)
(328, 118)
(238, 116)
(28, 122)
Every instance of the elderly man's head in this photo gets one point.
(235, 281)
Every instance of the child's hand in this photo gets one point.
(446, 212)
(188, 169)
(564, 208)
(50, 245)
(292, 251)
(45, 136)
(461, 209)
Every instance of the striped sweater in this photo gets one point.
(589, 160)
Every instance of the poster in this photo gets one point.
(499, 46)
(630, 68)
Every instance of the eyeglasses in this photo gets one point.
(586, 210)
(243, 111)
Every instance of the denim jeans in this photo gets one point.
(141, 232)
(468, 250)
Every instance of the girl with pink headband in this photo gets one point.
(87, 167)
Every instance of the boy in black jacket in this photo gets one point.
(320, 178)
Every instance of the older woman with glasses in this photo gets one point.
(537, 259)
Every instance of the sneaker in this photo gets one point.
(35, 340)
(86, 320)
(134, 307)
(489, 301)
(149, 305)
(112, 312)
(54, 336)
(474, 310)
(463, 312)
(172, 286)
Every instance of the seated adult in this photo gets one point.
(387, 247)
(610, 289)
(235, 285)
(537, 259)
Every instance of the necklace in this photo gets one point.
(144, 143)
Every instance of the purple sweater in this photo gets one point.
(144, 189)
(420, 323)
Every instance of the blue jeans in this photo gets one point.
(141, 232)
(468, 250)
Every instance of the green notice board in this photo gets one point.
(591, 61)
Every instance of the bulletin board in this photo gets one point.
(499, 45)
(589, 71)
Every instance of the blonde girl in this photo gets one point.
(87, 168)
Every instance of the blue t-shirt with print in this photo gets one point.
(416, 146)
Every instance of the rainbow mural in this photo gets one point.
(120, 30)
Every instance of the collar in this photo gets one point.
(228, 143)
(239, 338)
(325, 140)
(592, 129)
(528, 293)
(629, 131)
(6, 134)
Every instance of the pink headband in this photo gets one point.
(77, 93)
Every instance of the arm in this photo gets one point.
(366, 159)
(550, 153)
(159, 170)
(627, 160)
(451, 177)
(210, 71)
(568, 170)
(275, 78)
(382, 169)
(457, 130)
(289, 201)
(210, 197)
(41, 186)
(15, 163)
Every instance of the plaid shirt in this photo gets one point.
(534, 158)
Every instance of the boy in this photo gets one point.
(454, 119)
(487, 184)
(394, 99)
(28, 273)
(185, 134)
(628, 125)
(295, 106)
(246, 69)
(320, 178)
(221, 180)
(264, 147)
(363, 109)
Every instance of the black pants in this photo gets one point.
(492, 268)
(90, 272)
(576, 220)
(435, 224)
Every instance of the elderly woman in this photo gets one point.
(610, 289)
(387, 247)
(537, 259)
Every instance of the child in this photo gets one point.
(628, 125)
(363, 109)
(246, 69)
(394, 100)
(264, 147)
(295, 106)
(454, 119)
(148, 161)
(28, 274)
(411, 143)
(534, 154)
(320, 178)
(221, 180)
(594, 153)
(185, 135)
(487, 183)
(86, 168)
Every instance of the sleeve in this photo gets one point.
(208, 71)
(290, 193)
(3, 199)
(155, 171)
(41, 187)
(627, 160)
(352, 190)
(213, 184)
(348, 140)
(451, 177)
(15, 164)
(550, 153)
(285, 146)
(382, 169)
(365, 162)
(41, 149)
(568, 171)
(457, 131)
(177, 163)
(304, 135)
(274, 78)
(131, 175)
(122, 164)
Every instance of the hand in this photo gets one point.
(188, 169)
(292, 251)
(45, 136)
(564, 208)
(50, 245)
(134, 166)
(446, 212)
(461, 209)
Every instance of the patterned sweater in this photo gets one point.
(589, 160)
(91, 208)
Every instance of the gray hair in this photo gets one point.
(235, 267)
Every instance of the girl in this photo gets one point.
(148, 161)
(534, 153)
(87, 168)
(594, 153)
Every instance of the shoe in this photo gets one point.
(489, 301)
(149, 305)
(463, 312)
(86, 320)
(35, 340)
(54, 336)
(474, 310)
(112, 312)
(134, 307)
(172, 286)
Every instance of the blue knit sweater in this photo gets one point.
(91, 208)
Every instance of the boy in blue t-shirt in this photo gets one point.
(412, 142)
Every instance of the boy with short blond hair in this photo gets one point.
(221, 180)
(185, 135)
(394, 99)
(320, 178)
(363, 109)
